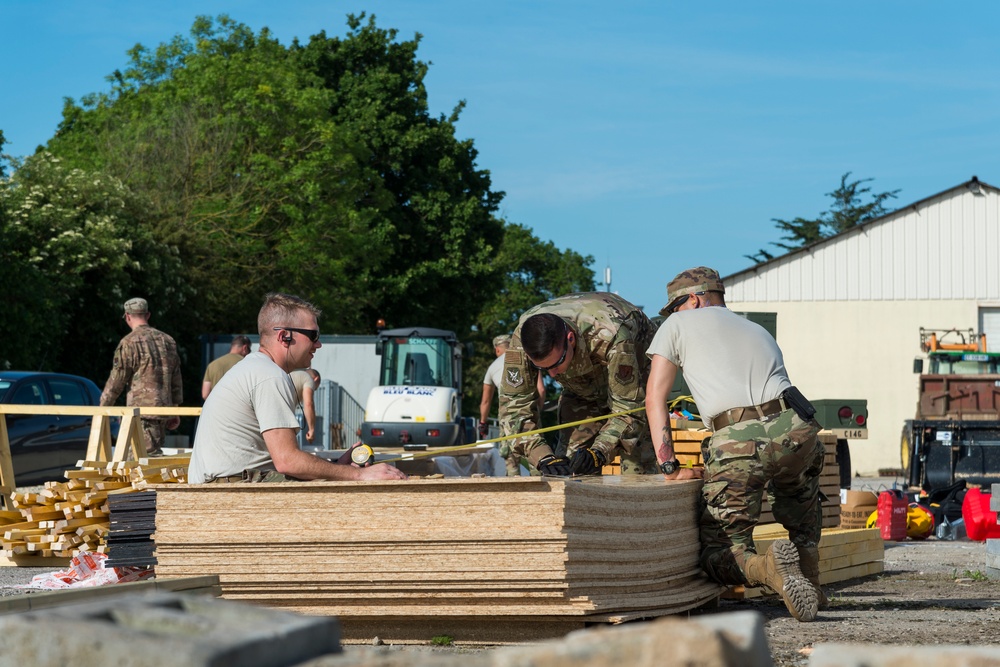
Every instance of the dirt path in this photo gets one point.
(931, 592)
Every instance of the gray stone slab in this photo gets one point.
(164, 629)
(872, 655)
(721, 640)
(735, 640)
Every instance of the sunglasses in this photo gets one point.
(680, 301)
(561, 359)
(311, 334)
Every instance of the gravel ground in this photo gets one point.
(932, 592)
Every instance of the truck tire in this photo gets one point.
(905, 447)
(844, 463)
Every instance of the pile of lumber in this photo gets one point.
(65, 518)
(535, 556)
(843, 553)
(688, 436)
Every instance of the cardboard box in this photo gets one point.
(856, 507)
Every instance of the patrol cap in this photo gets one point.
(699, 279)
(502, 339)
(136, 306)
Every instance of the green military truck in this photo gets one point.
(846, 419)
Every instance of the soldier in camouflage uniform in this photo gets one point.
(764, 440)
(146, 362)
(594, 344)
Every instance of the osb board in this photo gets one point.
(474, 631)
(442, 547)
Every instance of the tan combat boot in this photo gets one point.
(779, 570)
(809, 564)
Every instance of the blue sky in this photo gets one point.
(653, 136)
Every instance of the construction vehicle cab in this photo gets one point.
(956, 433)
(419, 397)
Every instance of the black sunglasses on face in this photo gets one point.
(561, 359)
(680, 301)
(311, 334)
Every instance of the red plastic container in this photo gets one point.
(892, 508)
(980, 520)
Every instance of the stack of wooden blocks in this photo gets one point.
(843, 554)
(51, 526)
(688, 437)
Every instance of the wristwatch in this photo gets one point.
(670, 467)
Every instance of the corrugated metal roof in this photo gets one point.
(941, 247)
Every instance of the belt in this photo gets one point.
(226, 479)
(737, 415)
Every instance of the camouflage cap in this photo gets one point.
(136, 306)
(502, 339)
(699, 279)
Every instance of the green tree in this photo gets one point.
(73, 246)
(315, 169)
(234, 146)
(847, 211)
(440, 234)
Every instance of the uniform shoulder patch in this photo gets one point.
(512, 357)
(624, 373)
(513, 377)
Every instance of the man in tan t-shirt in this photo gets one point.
(238, 349)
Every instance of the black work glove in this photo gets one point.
(587, 462)
(555, 466)
(484, 430)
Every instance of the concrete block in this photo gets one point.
(164, 629)
(874, 655)
(716, 640)
(736, 639)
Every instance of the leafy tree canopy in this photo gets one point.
(848, 210)
(72, 249)
(244, 166)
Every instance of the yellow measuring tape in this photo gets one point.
(406, 456)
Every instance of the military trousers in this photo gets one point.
(634, 448)
(780, 455)
(154, 433)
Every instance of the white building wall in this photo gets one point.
(945, 248)
(852, 349)
(850, 309)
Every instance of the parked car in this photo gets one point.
(42, 447)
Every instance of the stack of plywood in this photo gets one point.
(687, 438)
(65, 518)
(535, 556)
(843, 553)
